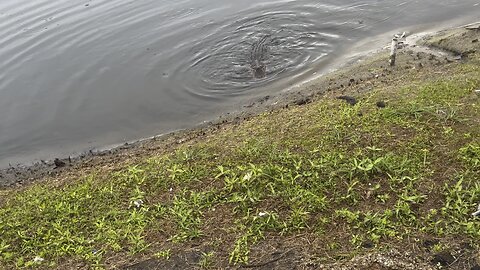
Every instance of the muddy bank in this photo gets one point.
(129, 70)
(288, 258)
(423, 51)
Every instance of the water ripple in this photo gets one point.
(221, 66)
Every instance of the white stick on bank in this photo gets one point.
(393, 49)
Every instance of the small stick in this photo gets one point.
(477, 214)
(393, 51)
(394, 47)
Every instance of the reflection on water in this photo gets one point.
(81, 74)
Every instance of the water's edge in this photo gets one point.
(20, 174)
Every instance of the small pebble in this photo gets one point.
(138, 203)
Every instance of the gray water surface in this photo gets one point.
(77, 75)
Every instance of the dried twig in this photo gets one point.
(396, 40)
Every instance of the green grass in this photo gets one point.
(381, 175)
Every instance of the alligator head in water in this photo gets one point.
(258, 56)
(259, 69)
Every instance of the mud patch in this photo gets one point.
(393, 260)
(187, 260)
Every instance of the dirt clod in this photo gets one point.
(368, 245)
(381, 104)
(350, 100)
(428, 243)
(58, 163)
(443, 258)
(303, 101)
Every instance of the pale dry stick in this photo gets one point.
(394, 47)
(393, 51)
(477, 214)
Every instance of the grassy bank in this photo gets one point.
(305, 185)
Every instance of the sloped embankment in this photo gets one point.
(389, 182)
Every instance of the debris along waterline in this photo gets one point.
(177, 66)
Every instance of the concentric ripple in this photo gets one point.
(222, 64)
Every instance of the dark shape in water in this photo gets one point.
(258, 56)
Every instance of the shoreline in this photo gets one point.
(371, 167)
(302, 93)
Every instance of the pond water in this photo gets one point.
(78, 75)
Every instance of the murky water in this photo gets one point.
(76, 75)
